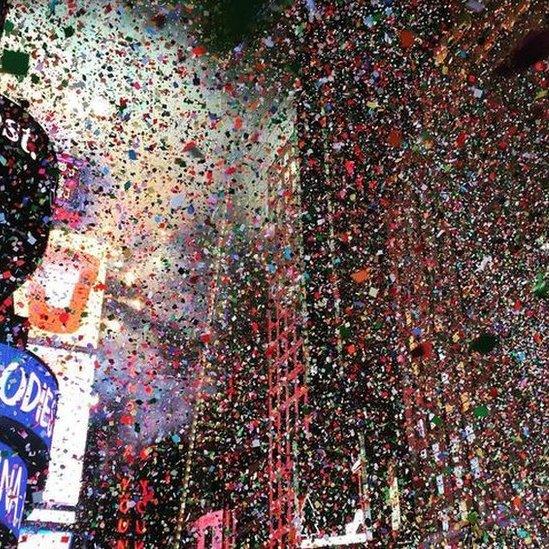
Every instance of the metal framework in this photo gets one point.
(287, 397)
(287, 388)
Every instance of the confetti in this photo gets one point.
(279, 268)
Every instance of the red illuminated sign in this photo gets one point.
(133, 502)
(215, 530)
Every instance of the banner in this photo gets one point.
(28, 402)
(13, 487)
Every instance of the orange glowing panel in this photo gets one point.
(59, 294)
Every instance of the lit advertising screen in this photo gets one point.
(74, 371)
(28, 401)
(45, 539)
(63, 299)
(13, 488)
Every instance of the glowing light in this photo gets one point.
(74, 102)
(52, 515)
(94, 400)
(129, 278)
(45, 538)
(113, 325)
(100, 106)
(136, 304)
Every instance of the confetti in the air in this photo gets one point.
(273, 273)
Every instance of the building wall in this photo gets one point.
(421, 184)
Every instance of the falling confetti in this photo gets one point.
(281, 267)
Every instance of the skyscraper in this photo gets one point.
(417, 197)
(371, 369)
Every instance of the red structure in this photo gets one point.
(287, 393)
(287, 398)
(215, 531)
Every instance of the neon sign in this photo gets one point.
(133, 504)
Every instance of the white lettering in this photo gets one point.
(5, 377)
(46, 412)
(12, 130)
(11, 490)
(28, 403)
(30, 395)
(25, 140)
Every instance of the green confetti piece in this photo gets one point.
(15, 62)
(484, 343)
(8, 27)
(472, 517)
(541, 286)
(344, 332)
(481, 411)
(437, 420)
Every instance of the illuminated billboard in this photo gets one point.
(13, 488)
(28, 400)
(64, 298)
(75, 372)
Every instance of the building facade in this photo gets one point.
(420, 262)
(423, 232)
(371, 365)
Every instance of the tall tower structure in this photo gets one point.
(287, 374)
